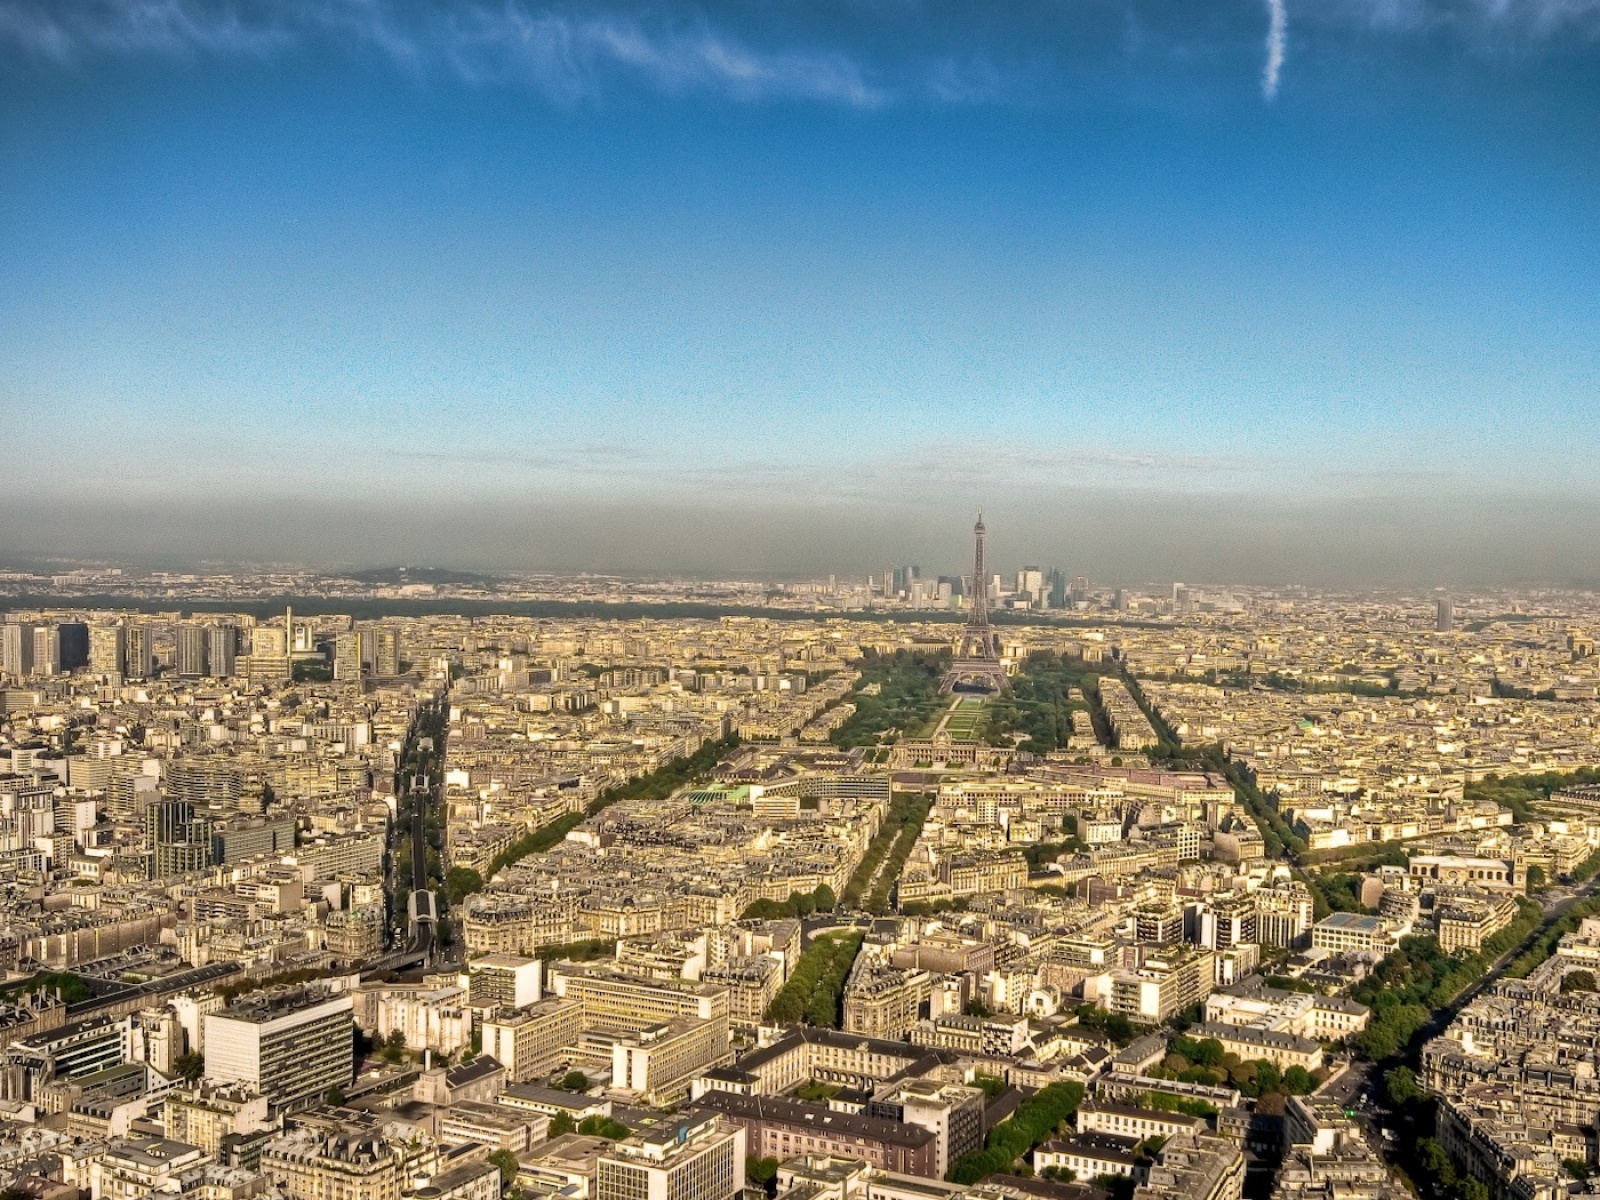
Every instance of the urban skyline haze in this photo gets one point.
(1227, 291)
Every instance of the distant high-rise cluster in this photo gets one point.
(126, 649)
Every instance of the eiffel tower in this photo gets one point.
(977, 667)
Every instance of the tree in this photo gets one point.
(507, 1162)
(1435, 1162)
(824, 898)
(1271, 1104)
(761, 1171)
(1578, 981)
(575, 1081)
(1471, 1189)
(605, 1127)
(1268, 1078)
(460, 883)
(1536, 877)
(1401, 1086)
(562, 1123)
(190, 1067)
(394, 1046)
(335, 1096)
(1298, 1081)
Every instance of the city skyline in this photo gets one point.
(1255, 292)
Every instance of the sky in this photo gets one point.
(1222, 290)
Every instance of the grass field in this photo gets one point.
(967, 719)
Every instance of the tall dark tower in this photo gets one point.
(977, 667)
(978, 618)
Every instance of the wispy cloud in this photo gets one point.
(861, 54)
(1277, 35)
(1506, 21)
(570, 57)
(73, 30)
(569, 54)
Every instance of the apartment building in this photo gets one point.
(952, 1111)
(505, 981)
(695, 1157)
(657, 1063)
(531, 1041)
(780, 1128)
(615, 1003)
(1342, 932)
(1131, 1121)
(884, 1001)
(311, 1164)
(291, 1046)
(207, 1113)
(1163, 985)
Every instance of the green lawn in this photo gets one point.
(968, 718)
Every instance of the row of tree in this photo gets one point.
(904, 810)
(799, 904)
(1036, 709)
(1418, 978)
(812, 993)
(1036, 1119)
(905, 839)
(462, 882)
(898, 691)
(1203, 1060)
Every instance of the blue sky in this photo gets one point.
(819, 276)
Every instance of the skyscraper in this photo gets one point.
(46, 650)
(351, 654)
(191, 651)
(74, 637)
(16, 649)
(1030, 585)
(222, 643)
(1444, 615)
(386, 651)
(141, 652)
(108, 650)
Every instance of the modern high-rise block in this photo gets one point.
(74, 637)
(695, 1157)
(108, 649)
(1444, 615)
(352, 654)
(16, 649)
(222, 644)
(46, 650)
(179, 841)
(292, 1046)
(386, 651)
(141, 652)
(193, 642)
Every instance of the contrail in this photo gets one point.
(1276, 29)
